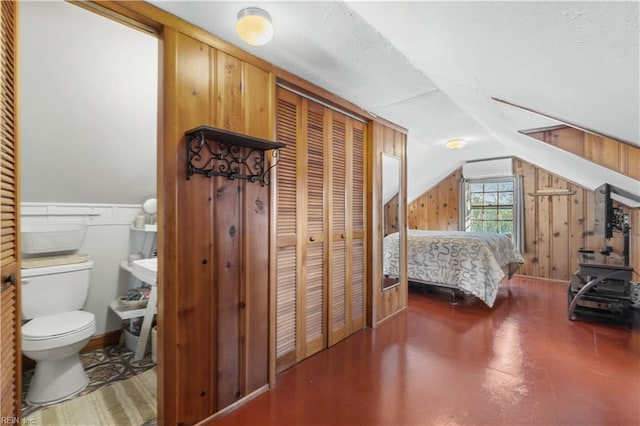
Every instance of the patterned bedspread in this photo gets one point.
(470, 261)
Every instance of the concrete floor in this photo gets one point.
(522, 362)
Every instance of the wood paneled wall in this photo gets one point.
(217, 241)
(555, 226)
(438, 208)
(385, 138)
(214, 286)
(615, 155)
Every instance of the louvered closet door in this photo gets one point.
(9, 299)
(320, 225)
(301, 259)
(288, 121)
(357, 255)
(338, 303)
(314, 294)
(347, 250)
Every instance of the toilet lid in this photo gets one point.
(57, 325)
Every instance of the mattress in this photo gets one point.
(473, 262)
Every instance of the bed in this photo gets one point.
(472, 262)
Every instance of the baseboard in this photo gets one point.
(233, 406)
(98, 342)
(390, 316)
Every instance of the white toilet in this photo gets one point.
(54, 289)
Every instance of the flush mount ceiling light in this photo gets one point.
(254, 26)
(455, 143)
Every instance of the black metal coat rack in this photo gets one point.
(217, 152)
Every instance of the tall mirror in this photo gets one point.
(390, 224)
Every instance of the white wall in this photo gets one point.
(88, 106)
(88, 133)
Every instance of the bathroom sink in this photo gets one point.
(146, 270)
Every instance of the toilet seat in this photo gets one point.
(57, 330)
(57, 325)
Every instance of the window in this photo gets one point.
(493, 205)
(490, 207)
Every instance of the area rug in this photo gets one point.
(127, 402)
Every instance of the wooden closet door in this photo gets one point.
(10, 352)
(312, 293)
(347, 250)
(356, 178)
(320, 261)
(288, 122)
(338, 292)
(301, 257)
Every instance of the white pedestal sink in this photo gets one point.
(146, 270)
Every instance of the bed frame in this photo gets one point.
(509, 271)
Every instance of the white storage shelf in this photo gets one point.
(124, 313)
(151, 309)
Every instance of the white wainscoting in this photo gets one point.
(108, 242)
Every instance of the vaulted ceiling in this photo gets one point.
(434, 67)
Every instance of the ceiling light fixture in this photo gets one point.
(455, 143)
(254, 26)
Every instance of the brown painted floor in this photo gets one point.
(521, 362)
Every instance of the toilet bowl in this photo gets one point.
(54, 289)
(54, 342)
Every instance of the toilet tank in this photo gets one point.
(54, 288)
(39, 238)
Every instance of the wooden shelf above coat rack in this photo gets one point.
(217, 152)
